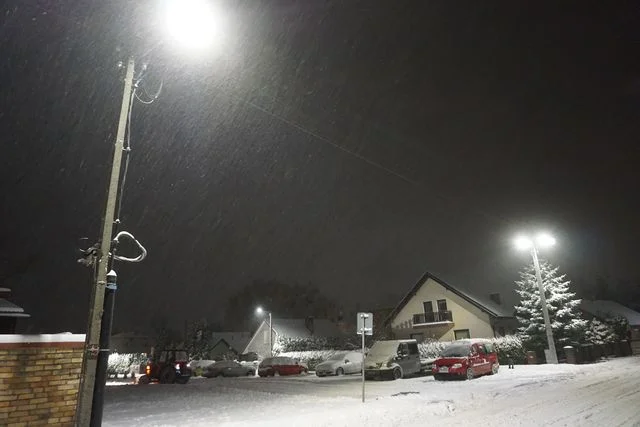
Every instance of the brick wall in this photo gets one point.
(39, 376)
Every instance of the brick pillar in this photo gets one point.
(39, 378)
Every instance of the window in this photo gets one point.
(461, 334)
(417, 337)
(428, 306)
(266, 336)
(442, 305)
(413, 348)
(402, 348)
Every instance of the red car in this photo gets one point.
(466, 359)
(281, 366)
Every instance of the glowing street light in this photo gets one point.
(542, 240)
(193, 24)
(260, 312)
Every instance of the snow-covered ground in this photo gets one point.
(606, 393)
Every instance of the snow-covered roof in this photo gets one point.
(236, 340)
(9, 309)
(605, 308)
(297, 328)
(487, 306)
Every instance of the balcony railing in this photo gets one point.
(435, 317)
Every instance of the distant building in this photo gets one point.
(9, 313)
(229, 345)
(290, 328)
(434, 309)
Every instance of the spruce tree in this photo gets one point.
(599, 332)
(562, 304)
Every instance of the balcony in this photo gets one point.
(431, 318)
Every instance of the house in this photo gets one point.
(434, 309)
(131, 342)
(604, 309)
(9, 313)
(228, 345)
(290, 328)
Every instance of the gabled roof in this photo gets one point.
(605, 308)
(236, 340)
(297, 328)
(492, 309)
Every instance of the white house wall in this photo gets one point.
(465, 315)
(260, 341)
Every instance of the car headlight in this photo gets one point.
(456, 366)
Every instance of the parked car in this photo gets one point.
(341, 363)
(281, 366)
(392, 359)
(228, 368)
(466, 359)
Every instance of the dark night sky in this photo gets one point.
(348, 144)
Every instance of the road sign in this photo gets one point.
(364, 324)
(365, 321)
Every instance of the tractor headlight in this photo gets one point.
(456, 366)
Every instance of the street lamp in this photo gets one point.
(260, 312)
(190, 22)
(193, 24)
(542, 240)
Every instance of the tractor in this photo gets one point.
(168, 368)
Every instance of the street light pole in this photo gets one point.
(270, 336)
(92, 340)
(552, 356)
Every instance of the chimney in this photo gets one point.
(495, 297)
(308, 322)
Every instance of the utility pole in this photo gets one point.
(552, 356)
(94, 327)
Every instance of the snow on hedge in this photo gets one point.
(122, 363)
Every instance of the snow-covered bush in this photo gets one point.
(316, 343)
(599, 333)
(121, 363)
(619, 325)
(510, 347)
(431, 349)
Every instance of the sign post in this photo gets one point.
(365, 327)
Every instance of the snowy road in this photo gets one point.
(606, 393)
